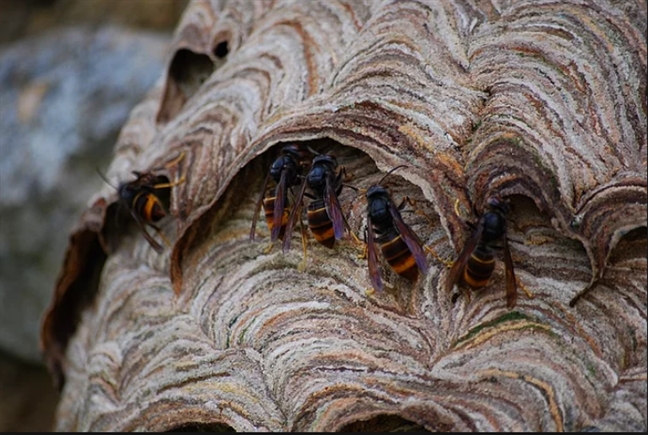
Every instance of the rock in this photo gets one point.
(65, 95)
(27, 396)
(21, 19)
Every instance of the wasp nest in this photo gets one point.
(542, 104)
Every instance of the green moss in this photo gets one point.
(242, 334)
(508, 317)
(591, 370)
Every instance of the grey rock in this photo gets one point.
(64, 96)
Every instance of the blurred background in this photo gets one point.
(70, 73)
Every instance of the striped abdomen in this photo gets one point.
(398, 255)
(148, 207)
(320, 223)
(479, 267)
(268, 209)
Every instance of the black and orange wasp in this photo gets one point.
(324, 214)
(142, 198)
(286, 171)
(400, 246)
(476, 262)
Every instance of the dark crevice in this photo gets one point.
(221, 50)
(383, 423)
(187, 72)
(190, 70)
(201, 427)
(85, 259)
(631, 245)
